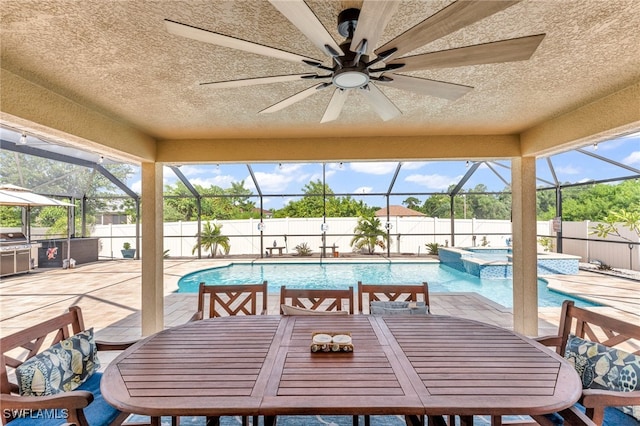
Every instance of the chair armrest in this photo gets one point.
(71, 400)
(592, 398)
(113, 346)
(197, 316)
(549, 340)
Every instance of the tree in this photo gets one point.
(210, 238)
(412, 203)
(369, 233)
(56, 178)
(594, 202)
(312, 204)
(437, 205)
(216, 202)
(630, 219)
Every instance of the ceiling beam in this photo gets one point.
(327, 149)
(600, 120)
(31, 107)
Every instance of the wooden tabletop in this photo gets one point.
(263, 365)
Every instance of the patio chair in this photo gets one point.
(40, 377)
(229, 300)
(392, 293)
(606, 354)
(330, 300)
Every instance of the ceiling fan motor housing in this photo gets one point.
(350, 73)
(347, 21)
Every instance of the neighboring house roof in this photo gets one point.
(398, 211)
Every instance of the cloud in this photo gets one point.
(568, 169)
(223, 181)
(631, 159)
(414, 165)
(438, 182)
(382, 168)
(272, 182)
(363, 190)
(136, 186)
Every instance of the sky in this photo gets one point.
(367, 180)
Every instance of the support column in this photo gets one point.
(525, 262)
(152, 247)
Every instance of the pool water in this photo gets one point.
(441, 278)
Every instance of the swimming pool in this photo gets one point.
(441, 278)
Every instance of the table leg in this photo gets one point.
(438, 421)
(466, 420)
(270, 420)
(213, 421)
(413, 420)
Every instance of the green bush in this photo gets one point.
(303, 249)
(433, 248)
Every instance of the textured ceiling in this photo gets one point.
(118, 56)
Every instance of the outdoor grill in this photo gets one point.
(15, 253)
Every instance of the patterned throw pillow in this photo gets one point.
(384, 307)
(61, 368)
(601, 367)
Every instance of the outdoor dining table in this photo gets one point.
(405, 365)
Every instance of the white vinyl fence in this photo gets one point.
(408, 234)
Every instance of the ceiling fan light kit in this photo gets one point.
(352, 60)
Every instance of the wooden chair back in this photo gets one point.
(391, 292)
(20, 346)
(596, 327)
(316, 299)
(233, 299)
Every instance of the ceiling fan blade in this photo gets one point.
(380, 103)
(244, 82)
(452, 18)
(335, 105)
(207, 36)
(307, 22)
(373, 19)
(291, 100)
(515, 49)
(439, 89)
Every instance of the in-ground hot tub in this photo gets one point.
(487, 262)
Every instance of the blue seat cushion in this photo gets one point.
(98, 413)
(612, 417)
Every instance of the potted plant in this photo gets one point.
(127, 251)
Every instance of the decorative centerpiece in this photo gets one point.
(331, 342)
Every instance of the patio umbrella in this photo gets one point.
(12, 195)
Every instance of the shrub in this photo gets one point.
(303, 249)
(432, 247)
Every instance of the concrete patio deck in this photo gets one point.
(110, 296)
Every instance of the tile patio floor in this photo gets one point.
(109, 294)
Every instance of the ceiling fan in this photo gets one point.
(356, 63)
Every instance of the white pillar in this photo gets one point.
(525, 262)
(152, 247)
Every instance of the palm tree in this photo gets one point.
(369, 233)
(210, 238)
